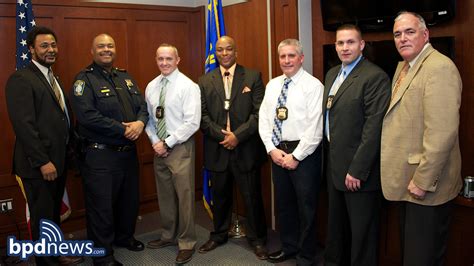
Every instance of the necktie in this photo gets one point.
(402, 75)
(55, 87)
(335, 87)
(161, 124)
(277, 123)
(228, 90)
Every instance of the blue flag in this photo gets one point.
(215, 30)
(25, 20)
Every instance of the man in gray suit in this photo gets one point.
(356, 96)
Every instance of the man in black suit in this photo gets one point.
(38, 112)
(230, 99)
(356, 96)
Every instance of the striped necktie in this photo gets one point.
(161, 124)
(55, 87)
(277, 123)
(400, 78)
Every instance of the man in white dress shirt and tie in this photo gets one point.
(291, 127)
(174, 106)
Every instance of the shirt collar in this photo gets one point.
(296, 77)
(412, 62)
(231, 70)
(171, 77)
(42, 68)
(348, 68)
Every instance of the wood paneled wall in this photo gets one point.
(137, 30)
(460, 247)
(284, 21)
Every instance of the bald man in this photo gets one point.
(111, 114)
(230, 100)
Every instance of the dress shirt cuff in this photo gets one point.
(269, 146)
(171, 141)
(298, 154)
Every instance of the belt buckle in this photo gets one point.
(284, 146)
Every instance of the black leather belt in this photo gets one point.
(288, 146)
(101, 146)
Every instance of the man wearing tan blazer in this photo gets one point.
(420, 157)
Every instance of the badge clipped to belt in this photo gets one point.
(282, 113)
(160, 112)
(227, 105)
(329, 103)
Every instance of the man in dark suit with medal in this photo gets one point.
(40, 118)
(356, 95)
(230, 100)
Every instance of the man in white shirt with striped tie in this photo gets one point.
(174, 107)
(291, 126)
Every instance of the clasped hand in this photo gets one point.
(230, 140)
(283, 159)
(133, 129)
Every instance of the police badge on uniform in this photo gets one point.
(129, 83)
(79, 87)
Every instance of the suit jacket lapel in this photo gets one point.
(40, 75)
(331, 77)
(237, 82)
(218, 83)
(409, 77)
(348, 81)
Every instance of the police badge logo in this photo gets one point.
(79, 87)
(129, 83)
(282, 113)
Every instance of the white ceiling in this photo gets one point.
(185, 3)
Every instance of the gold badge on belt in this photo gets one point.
(282, 113)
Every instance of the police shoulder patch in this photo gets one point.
(79, 87)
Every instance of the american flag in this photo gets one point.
(25, 20)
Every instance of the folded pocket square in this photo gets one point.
(246, 89)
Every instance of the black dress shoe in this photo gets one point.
(132, 245)
(208, 246)
(279, 256)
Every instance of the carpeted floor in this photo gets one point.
(229, 254)
(234, 252)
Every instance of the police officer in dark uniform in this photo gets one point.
(111, 115)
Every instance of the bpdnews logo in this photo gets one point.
(51, 243)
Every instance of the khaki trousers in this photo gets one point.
(174, 176)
